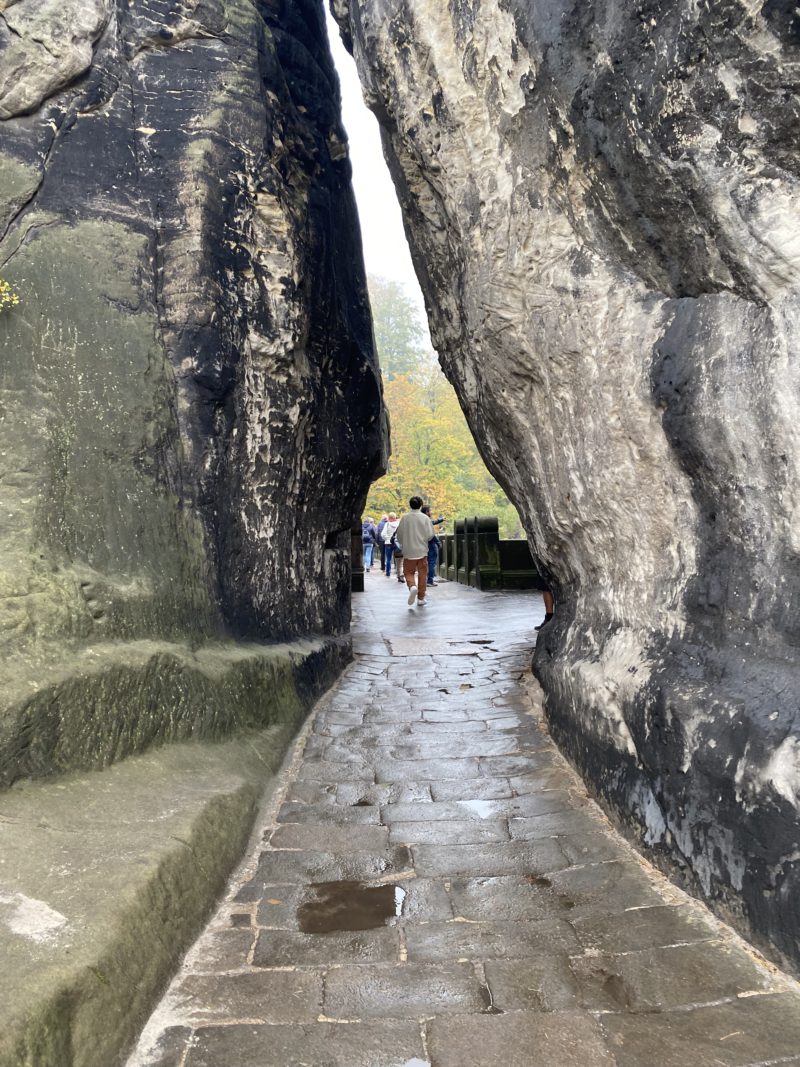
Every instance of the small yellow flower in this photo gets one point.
(8, 298)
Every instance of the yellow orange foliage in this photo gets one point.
(8, 298)
(433, 453)
(435, 457)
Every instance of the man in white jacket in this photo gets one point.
(414, 531)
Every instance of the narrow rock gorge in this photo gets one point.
(191, 409)
(602, 203)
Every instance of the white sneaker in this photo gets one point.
(421, 603)
(412, 594)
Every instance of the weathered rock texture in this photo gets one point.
(602, 204)
(107, 878)
(190, 408)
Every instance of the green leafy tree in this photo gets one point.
(399, 335)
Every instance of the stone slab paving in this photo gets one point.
(434, 888)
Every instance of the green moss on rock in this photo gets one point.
(88, 434)
(130, 860)
(108, 702)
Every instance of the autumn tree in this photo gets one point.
(400, 336)
(433, 452)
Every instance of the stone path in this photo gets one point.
(433, 888)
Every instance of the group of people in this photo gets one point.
(410, 542)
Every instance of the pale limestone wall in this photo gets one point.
(602, 206)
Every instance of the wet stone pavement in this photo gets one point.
(432, 887)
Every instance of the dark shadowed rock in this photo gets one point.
(190, 409)
(602, 206)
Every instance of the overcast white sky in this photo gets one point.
(385, 247)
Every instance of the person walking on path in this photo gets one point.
(398, 561)
(433, 546)
(549, 608)
(381, 545)
(388, 532)
(414, 532)
(369, 539)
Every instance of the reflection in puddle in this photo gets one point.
(481, 809)
(349, 906)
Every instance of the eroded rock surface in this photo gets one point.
(190, 408)
(602, 206)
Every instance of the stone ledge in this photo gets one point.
(105, 879)
(90, 708)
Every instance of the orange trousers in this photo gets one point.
(416, 573)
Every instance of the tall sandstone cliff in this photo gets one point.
(190, 410)
(602, 202)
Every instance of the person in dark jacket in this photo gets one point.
(369, 538)
(433, 547)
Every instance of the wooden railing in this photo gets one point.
(475, 555)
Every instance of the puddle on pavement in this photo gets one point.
(336, 906)
(481, 809)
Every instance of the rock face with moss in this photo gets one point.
(190, 416)
(602, 202)
(190, 409)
